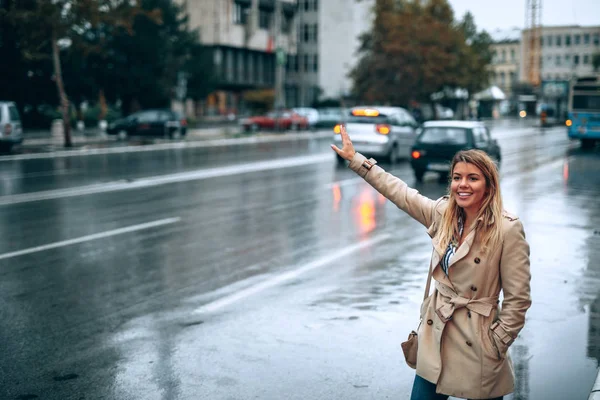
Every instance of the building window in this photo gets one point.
(306, 5)
(502, 79)
(512, 55)
(292, 63)
(264, 19)
(316, 63)
(306, 63)
(306, 33)
(557, 60)
(558, 40)
(576, 59)
(596, 39)
(577, 39)
(503, 55)
(568, 40)
(586, 39)
(586, 59)
(250, 67)
(239, 14)
(316, 5)
(258, 65)
(513, 78)
(549, 41)
(315, 33)
(286, 24)
(568, 59)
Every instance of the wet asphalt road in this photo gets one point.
(263, 271)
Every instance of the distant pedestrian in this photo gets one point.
(479, 251)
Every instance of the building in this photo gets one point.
(566, 52)
(328, 39)
(506, 62)
(242, 36)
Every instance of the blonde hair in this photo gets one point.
(489, 228)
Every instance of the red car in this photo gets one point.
(287, 120)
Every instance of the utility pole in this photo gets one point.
(279, 64)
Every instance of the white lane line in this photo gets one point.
(167, 146)
(277, 280)
(95, 236)
(166, 179)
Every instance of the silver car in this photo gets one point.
(387, 132)
(11, 130)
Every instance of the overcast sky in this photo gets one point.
(504, 14)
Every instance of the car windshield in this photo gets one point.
(443, 135)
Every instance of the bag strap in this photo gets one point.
(428, 285)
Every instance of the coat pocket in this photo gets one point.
(487, 337)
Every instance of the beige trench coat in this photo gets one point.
(464, 335)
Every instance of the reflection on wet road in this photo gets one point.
(294, 283)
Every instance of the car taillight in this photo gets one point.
(183, 122)
(7, 129)
(417, 154)
(337, 129)
(383, 129)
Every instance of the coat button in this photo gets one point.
(469, 313)
(469, 343)
(477, 260)
(473, 288)
(429, 322)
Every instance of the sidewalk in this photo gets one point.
(43, 142)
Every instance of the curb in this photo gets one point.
(595, 393)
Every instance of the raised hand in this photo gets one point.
(347, 151)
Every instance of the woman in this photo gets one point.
(479, 250)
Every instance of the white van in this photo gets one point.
(11, 130)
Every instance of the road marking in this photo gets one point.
(169, 146)
(277, 280)
(166, 179)
(95, 236)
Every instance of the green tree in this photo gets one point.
(143, 65)
(46, 27)
(416, 48)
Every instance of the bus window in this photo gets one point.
(586, 102)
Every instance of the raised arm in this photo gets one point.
(396, 190)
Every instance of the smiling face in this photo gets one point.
(468, 187)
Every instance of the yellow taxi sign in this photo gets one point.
(568, 122)
(337, 129)
(365, 112)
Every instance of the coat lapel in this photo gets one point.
(437, 254)
(463, 249)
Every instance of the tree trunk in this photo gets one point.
(103, 106)
(64, 100)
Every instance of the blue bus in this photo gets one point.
(583, 122)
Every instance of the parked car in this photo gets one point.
(379, 132)
(439, 141)
(161, 122)
(311, 114)
(11, 130)
(286, 119)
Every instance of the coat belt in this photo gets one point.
(483, 306)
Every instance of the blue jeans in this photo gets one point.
(425, 390)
